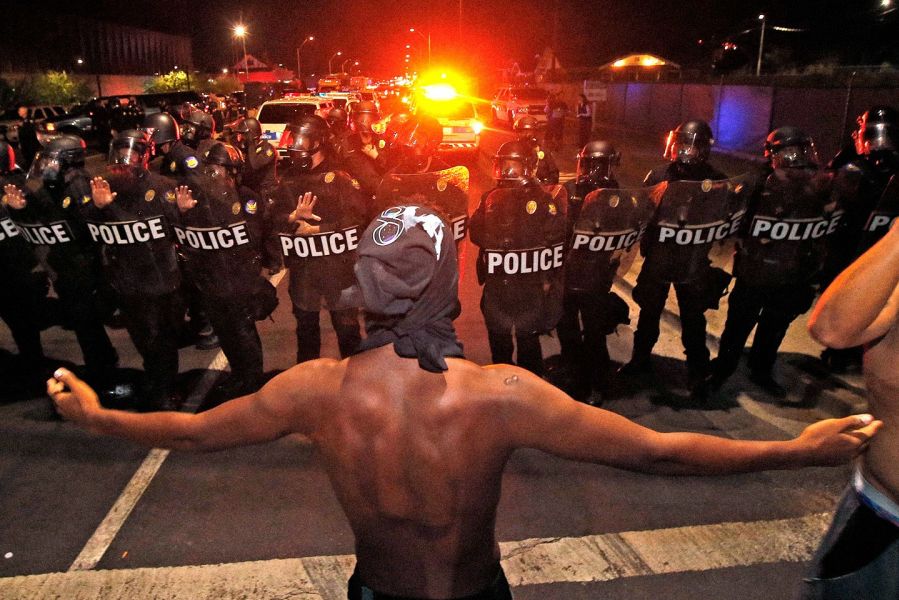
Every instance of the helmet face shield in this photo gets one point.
(507, 169)
(878, 137)
(595, 168)
(687, 147)
(130, 152)
(364, 121)
(46, 168)
(795, 156)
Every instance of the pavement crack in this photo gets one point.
(528, 545)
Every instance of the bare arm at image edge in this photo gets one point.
(861, 305)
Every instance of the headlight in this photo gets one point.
(51, 127)
(477, 126)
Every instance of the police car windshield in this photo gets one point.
(284, 113)
(529, 94)
(452, 110)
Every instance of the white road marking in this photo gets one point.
(587, 559)
(105, 533)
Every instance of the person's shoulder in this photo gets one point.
(494, 384)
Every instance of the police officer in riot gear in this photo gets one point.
(129, 217)
(198, 131)
(48, 214)
(520, 230)
(219, 232)
(365, 158)
(22, 292)
(125, 115)
(338, 131)
(319, 247)
(415, 149)
(527, 130)
(584, 351)
(779, 257)
(259, 172)
(867, 175)
(177, 159)
(687, 149)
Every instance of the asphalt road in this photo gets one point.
(88, 517)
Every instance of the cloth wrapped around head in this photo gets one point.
(409, 280)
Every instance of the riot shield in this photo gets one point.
(522, 257)
(691, 217)
(446, 191)
(605, 235)
(786, 240)
(883, 215)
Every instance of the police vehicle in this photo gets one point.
(275, 115)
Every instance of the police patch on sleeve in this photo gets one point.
(706, 185)
(66, 202)
(552, 209)
(4, 200)
(235, 208)
(150, 195)
(173, 166)
(170, 196)
(268, 151)
(85, 199)
(381, 144)
(191, 162)
(540, 154)
(614, 201)
(258, 149)
(355, 183)
(329, 176)
(531, 207)
(251, 207)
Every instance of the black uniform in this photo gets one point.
(547, 170)
(365, 169)
(179, 162)
(259, 172)
(22, 293)
(321, 264)
(653, 283)
(138, 250)
(52, 220)
(586, 348)
(222, 245)
(521, 233)
(123, 117)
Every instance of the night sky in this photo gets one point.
(496, 33)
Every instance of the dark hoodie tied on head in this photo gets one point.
(409, 280)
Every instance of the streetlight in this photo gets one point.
(240, 31)
(311, 38)
(330, 69)
(428, 39)
(758, 64)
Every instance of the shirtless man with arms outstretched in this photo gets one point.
(859, 558)
(415, 438)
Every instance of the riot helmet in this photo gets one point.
(526, 128)
(130, 148)
(514, 164)
(304, 140)
(7, 158)
(595, 162)
(878, 131)
(364, 115)
(791, 148)
(396, 125)
(337, 120)
(162, 128)
(197, 127)
(223, 161)
(420, 139)
(59, 155)
(245, 132)
(689, 143)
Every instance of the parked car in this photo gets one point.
(512, 102)
(77, 121)
(9, 120)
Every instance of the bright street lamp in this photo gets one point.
(428, 39)
(310, 38)
(240, 31)
(330, 69)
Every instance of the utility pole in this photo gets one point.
(758, 64)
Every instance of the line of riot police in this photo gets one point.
(180, 218)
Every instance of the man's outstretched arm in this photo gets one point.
(861, 304)
(280, 408)
(539, 415)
